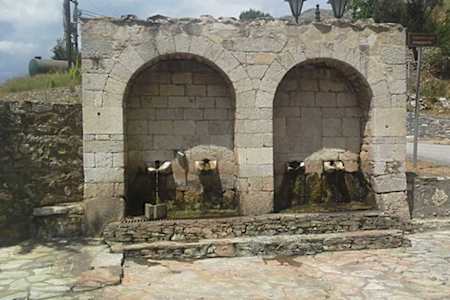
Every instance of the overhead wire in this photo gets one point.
(91, 13)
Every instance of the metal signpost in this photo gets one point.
(419, 41)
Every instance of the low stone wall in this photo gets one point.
(430, 127)
(40, 158)
(291, 245)
(65, 220)
(268, 225)
(432, 196)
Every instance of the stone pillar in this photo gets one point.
(254, 146)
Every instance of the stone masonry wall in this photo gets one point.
(255, 57)
(180, 104)
(315, 107)
(265, 225)
(40, 161)
(177, 105)
(429, 197)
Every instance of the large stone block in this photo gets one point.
(114, 146)
(388, 122)
(394, 55)
(394, 204)
(103, 120)
(256, 203)
(103, 175)
(255, 156)
(389, 183)
(101, 211)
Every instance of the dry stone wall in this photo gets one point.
(265, 225)
(255, 57)
(40, 161)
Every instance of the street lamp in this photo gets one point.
(296, 8)
(338, 7)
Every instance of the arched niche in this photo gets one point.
(320, 106)
(181, 103)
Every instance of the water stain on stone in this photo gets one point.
(284, 261)
(143, 261)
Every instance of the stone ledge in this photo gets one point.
(57, 210)
(206, 19)
(425, 225)
(284, 245)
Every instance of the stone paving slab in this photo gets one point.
(51, 270)
(419, 272)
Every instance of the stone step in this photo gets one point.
(282, 245)
(266, 225)
(425, 225)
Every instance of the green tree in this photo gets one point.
(382, 11)
(389, 11)
(59, 50)
(441, 24)
(418, 15)
(60, 53)
(362, 9)
(253, 14)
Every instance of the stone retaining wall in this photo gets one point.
(40, 160)
(432, 196)
(431, 127)
(281, 246)
(268, 225)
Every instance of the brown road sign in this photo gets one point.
(422, 40)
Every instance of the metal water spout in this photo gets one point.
(295, 165)
(206, 165)
(332, 166)
(165, 168)
(161, 169)
(182, 160)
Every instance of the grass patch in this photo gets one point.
(40, 82)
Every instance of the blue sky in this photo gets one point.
(30, 28)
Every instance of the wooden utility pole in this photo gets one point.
(68, 31)
(76, 15)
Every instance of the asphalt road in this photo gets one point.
(431, 152)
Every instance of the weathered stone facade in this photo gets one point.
(253, 58)
(428, 196)
(40, 161)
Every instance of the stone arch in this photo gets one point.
(134, 59)
(181, 102)
(320, 103)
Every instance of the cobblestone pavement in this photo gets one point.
(47, 270)
(50, 271)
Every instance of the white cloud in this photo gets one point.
(30, 27)
(16, 48)
(30, 12)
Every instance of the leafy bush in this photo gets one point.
(253, 14)
(435, 88)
